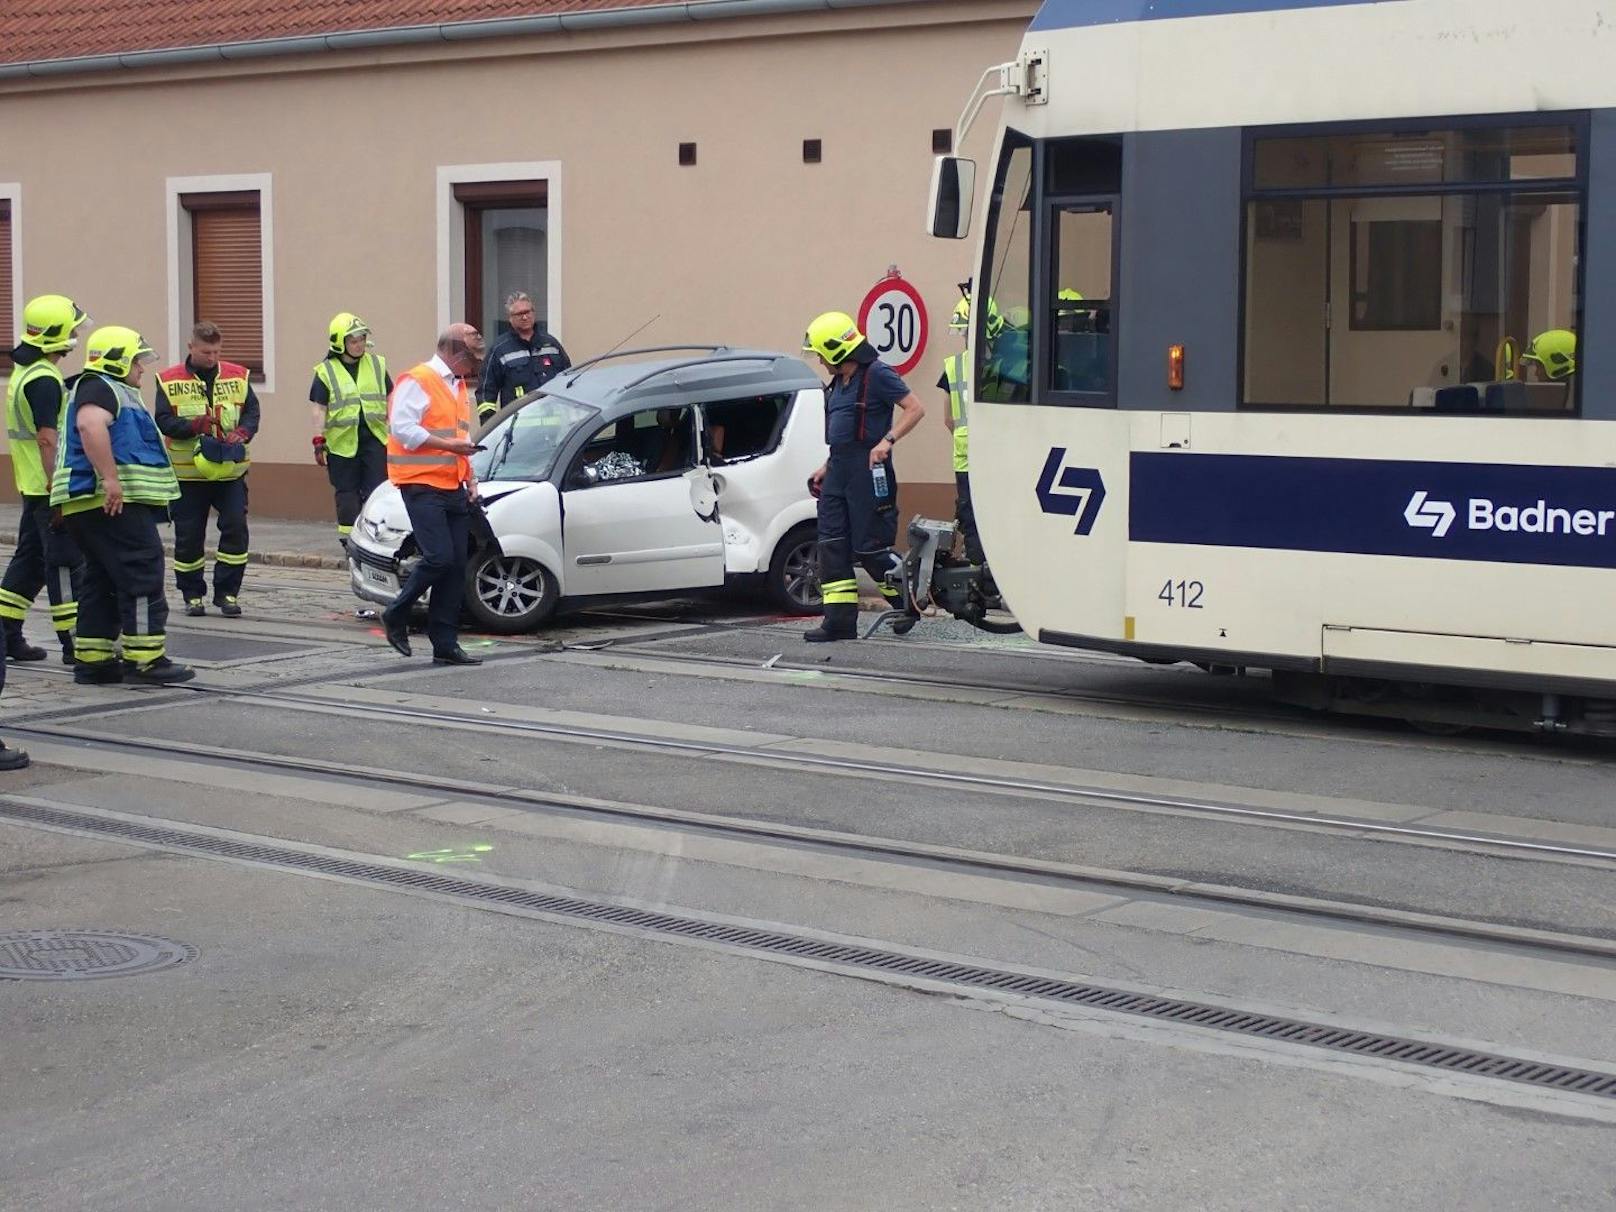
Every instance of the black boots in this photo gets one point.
(17, 648)
(840, 623)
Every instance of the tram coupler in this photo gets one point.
(930, 574)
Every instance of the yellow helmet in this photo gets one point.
(114, 350)
(344, 325)
(962, 317)
(216, 459)
(1068, 295)
(209, 470)
(1555, 351)
(49, 322)
(833, 336)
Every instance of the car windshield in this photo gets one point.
(525, 444)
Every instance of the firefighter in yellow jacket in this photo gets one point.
(208, 414)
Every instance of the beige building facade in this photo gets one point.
(413, 184)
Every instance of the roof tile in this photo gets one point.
(33, 30)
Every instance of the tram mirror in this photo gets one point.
(953, 188)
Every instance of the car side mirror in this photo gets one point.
(953, 190)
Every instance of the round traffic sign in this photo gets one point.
(893, 319)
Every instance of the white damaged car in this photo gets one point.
(641, 474)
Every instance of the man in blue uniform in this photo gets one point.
(522, 360)
(114, 484)
(868, 408)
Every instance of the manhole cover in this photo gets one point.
(76, 955)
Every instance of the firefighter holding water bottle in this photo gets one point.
(868, 409)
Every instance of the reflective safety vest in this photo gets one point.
(187, 395)
(353, 397)
(137, 449)
(959, 390)
(26, 465)
(447, 415)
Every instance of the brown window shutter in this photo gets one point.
(228, 276)
(8, 320)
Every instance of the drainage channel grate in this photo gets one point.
(868, 959)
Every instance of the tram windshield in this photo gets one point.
(1401, 267)
(1410, 270)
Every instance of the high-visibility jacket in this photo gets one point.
(187, 395)
(959, 390)
(137, 449)
(447, 415)
(26, 464)
(353, 398)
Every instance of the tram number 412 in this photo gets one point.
(1183, 594)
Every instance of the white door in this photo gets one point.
(637, 512)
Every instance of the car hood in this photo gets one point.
(385, 521)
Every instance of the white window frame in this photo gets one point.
(11, 191)
(452, 233)
(181, 288)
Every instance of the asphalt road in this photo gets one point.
(332, 1041)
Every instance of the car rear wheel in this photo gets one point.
(794, 572)
(509, 594)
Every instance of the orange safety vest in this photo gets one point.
(448, 415)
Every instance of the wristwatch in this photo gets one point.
(891, 439)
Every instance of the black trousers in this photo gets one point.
(354, 478)
(123, 585)
(965, 515)
(441, 520)
(228, 499)
(854, 528)
(45, 558)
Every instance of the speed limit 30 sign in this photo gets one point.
(893, 319)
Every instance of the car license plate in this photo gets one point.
(377, 576)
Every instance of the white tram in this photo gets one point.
(1266, 273)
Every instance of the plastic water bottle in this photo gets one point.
(883, 486)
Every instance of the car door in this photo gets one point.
(638, 510)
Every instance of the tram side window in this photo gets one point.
(1081, 309)
(1003, 350)
(1394, 270)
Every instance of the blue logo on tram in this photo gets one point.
(1079, 494)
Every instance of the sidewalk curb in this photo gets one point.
(277, 559)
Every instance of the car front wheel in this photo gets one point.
(509, 594)
(794, 572)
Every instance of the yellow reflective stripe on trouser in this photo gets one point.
(341, 529)
(144, 649)
(92, 651)
(65, 616)
(13, 605)
(190, 565)
(839, 593)
(233, 558)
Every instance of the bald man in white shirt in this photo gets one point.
(430, 419)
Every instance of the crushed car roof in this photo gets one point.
(618, 383)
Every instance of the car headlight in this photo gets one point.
(380, 532)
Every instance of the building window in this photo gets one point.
(8, 286)
(507, 249)
(1396, 269)
(227, 270)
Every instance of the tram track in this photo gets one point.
(490, 722)
(1465, 931)
(640, 648)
